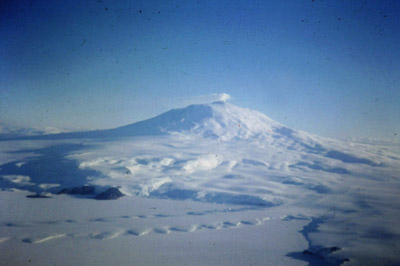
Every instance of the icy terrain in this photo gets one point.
(210, 184)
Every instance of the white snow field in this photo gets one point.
(210, 184)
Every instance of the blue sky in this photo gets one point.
(328, 67)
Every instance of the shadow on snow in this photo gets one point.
(50, 171)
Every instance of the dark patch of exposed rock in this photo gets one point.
(323, 253)
(84, 190)
(110, 194)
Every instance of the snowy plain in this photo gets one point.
(209, 184)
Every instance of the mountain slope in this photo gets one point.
(216, 120)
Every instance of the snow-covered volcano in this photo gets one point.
(217, 120)
(189, 176)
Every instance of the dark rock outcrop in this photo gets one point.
(84, 190)
(322, 254)
(110, 194)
